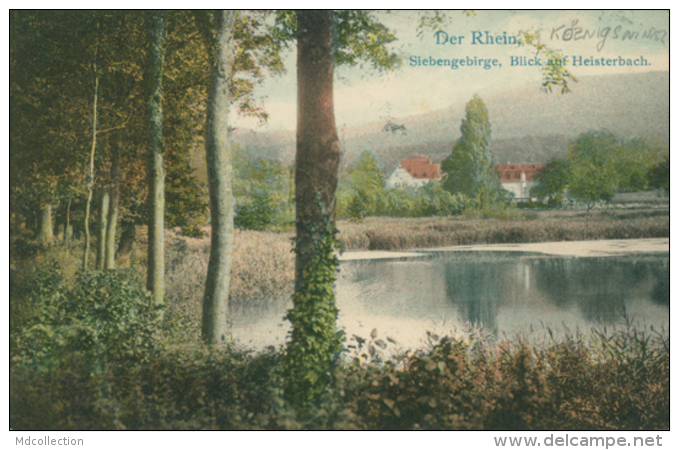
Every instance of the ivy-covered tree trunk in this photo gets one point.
(314, 340)
(103, 221)
(155, 281)
(218, 157)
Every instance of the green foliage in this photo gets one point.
(100, 316)
(264, 193)
(359, 37)
(598, 165)
(554, 74)
(634, 160)
(594, 177)
(193, 230)
(469, 169)
(314, 342)
(363, 194)
(401, 201)
(429, 200)
(659, 175)
(552, 181)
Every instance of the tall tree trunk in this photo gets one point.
(314, 340)
(103, 220)
(114, 193)
(155, 281)
(318, 150)
(90, 180)
(45, 226)
(220, 179)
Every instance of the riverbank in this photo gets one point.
(387, 233)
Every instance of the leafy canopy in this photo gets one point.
(359, 36)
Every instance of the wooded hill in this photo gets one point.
(528, 125)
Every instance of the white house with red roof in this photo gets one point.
(519, 179)
(415, 171)
(419, 170)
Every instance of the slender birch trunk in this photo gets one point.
(103, 220)
(114, 193)
(155, 281)
(90, 180)
(218, 157)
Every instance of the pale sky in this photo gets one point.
(362, 95)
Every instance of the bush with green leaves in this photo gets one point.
(429, 200)
(98, 316)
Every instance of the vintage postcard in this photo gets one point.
(340, 220)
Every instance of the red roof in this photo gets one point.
(512, 172)
(421, 167)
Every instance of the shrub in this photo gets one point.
(102, 315)
(428, 200)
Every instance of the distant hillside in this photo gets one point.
(527, 124)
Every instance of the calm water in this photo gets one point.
(500, 292)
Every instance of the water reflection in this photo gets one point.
(502, 292)
(600, 288)
(478, 289)
(509, 291)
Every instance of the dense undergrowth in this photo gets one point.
(88, 353)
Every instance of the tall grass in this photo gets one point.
(381, 233)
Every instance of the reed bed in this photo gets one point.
(385, 233)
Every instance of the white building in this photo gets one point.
(518, 179)
(415, 171)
